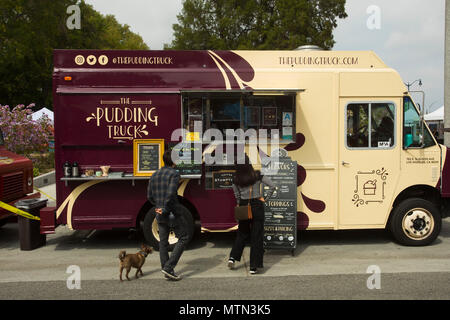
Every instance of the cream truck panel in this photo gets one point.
(316, 118)
(373, 83)
(317, 60)
(344, 187)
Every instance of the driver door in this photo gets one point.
(369, 161)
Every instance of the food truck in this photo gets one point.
(365, 157)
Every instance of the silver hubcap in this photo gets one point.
(418, 224)
(155, 230)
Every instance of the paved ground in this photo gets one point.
(49, 192)
(408, 286)
(326, 265)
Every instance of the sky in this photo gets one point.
(408, 35)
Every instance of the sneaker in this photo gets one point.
(253, 271)
(171, 275)
(231, 263)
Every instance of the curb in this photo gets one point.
(44, 180)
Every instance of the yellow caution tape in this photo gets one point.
(50, 197)
(18, 211)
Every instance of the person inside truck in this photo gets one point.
(384, 134)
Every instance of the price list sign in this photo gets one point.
(184, 154)
(147, 156)
(280, 224)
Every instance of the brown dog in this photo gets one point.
(135, 260)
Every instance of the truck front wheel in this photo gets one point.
(151, 231)
(415, 222)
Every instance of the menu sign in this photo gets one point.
(147, 156)
(184, 158)
(280, 225)
(223, 179)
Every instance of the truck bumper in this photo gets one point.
(48, 220)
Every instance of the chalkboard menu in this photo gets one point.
(280, 225)
(185, 161)
(149, 159)
(147, 156)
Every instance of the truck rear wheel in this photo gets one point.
(151, 232)
(415, 222)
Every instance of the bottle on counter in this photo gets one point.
(75, 170)
(67, 169)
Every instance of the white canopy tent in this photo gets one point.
(437, 115)
(38, 114)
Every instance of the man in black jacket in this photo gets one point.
(162, 192)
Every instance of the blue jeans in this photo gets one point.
(178, 225)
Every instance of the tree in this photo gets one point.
(256, 24)
(23, 135)
(30, 30)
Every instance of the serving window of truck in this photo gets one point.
(219, 115)
(365, 158)
(224, 111)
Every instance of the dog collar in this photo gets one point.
(145, 254)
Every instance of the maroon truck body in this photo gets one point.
(105, 99)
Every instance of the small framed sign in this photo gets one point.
(223, 179)
(147, 156)
(269, 116)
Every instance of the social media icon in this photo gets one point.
(103, 60)
(91, 60)
(79, 60)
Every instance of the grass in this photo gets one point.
(42, 163)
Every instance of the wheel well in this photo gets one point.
(419, 191)
(185, 202)
(147, 206)
(141, 215)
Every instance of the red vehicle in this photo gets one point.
(16, 180)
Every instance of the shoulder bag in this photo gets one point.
(244, 212)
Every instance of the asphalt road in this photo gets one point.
(404, 286)
(326, 265)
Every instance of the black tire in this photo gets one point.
(415, 222)
(150, 228)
